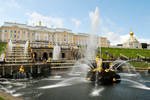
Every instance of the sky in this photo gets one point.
(109, 18)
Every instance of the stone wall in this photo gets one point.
(45, 53)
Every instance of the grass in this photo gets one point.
(2, 47)
(131, 53)
(1, 98)
(140, 64)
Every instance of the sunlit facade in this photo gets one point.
(132, 42)
(43, 35)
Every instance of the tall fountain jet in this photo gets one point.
(26, 47)
(10, 45)
(56, 52)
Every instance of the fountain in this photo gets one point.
(56, 52)
(102, 74)
(21, 74)
(91, 69)
(26, 47)
(10, 45)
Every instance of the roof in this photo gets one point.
(36, 28)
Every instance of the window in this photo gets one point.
(5, 36)
(63, 55)
(14, 35)
(18, 35)
(10, 35)
(51, 55)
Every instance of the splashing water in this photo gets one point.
(56, 52)
(26, 47)
(137, 84)
(96, 92)
(10, 45)
(80, 68)
(66, 82)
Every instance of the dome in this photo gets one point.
(131, 33)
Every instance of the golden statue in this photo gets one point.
(99, 63)
(50, 46)
(48, 60)
(21, 69)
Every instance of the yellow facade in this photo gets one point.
(22, 32)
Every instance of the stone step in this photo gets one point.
(18, 61)
(61, 67)
(18, 51)
(18, 55)
(62, 64)
(17, 47)
(17, 58)
(63, 61)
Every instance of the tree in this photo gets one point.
(144, 45)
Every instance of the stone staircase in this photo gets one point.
(18, 55)
(60, 64)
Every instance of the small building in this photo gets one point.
(132, 42)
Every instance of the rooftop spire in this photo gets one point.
(131, 33)
(131, 29)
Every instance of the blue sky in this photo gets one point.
(115, 17)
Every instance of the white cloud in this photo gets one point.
(116, 38)
(12, 3)
(142, 40)
(35, 17)
(76, 22)
(95, 21)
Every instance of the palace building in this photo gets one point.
(132, 42)
(44, 36)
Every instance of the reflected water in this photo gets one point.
(73, 87)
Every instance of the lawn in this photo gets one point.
(2, 47)
(131, 53)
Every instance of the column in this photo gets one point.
(16, 34)
(13, 34)
(43, 36)
(7, 35)
(40, 36)
(22, 35)
(30, 36)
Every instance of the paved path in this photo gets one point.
(7, 96)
